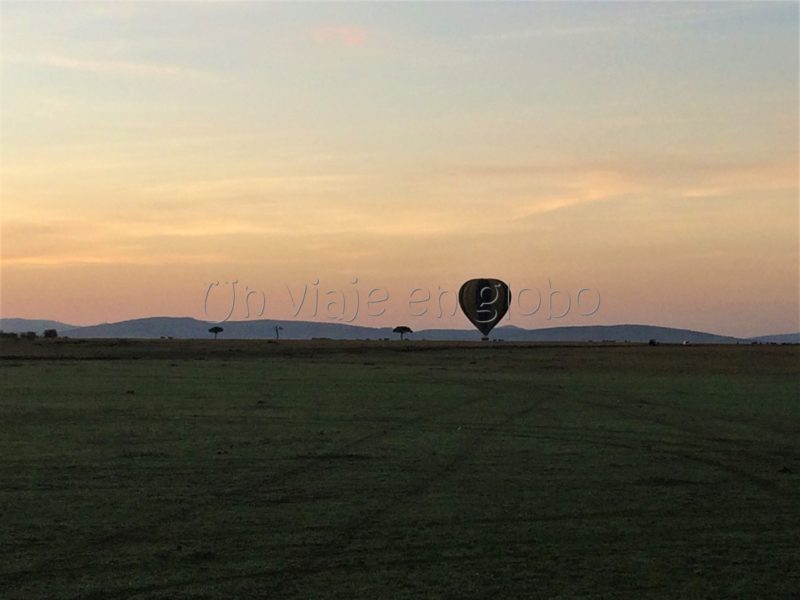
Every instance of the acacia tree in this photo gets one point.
(402, 330)
(216, 330)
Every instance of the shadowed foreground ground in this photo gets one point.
(349, 470)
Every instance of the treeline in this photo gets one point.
(28, 335)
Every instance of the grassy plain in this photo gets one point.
(201, 469)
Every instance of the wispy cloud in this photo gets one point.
(341, 35)
(108, 66)
(544, 32)
(623, 18)
(238, 187)
(534, 189)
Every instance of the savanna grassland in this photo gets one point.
(202, 469)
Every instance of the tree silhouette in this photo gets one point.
(216, 330)
(402, 330)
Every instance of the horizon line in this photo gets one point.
(467, 329)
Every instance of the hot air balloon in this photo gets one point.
(485, 302)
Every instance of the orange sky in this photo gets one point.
(648, 152)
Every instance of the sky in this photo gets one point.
(645, 153)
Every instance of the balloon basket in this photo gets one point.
(485, 338)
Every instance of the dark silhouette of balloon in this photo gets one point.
(485, 302)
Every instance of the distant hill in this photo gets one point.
(783, 338)
(185, 327)
(590, 333)
(37, 325)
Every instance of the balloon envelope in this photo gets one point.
(485, 302)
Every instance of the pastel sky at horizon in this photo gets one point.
(646, 151)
